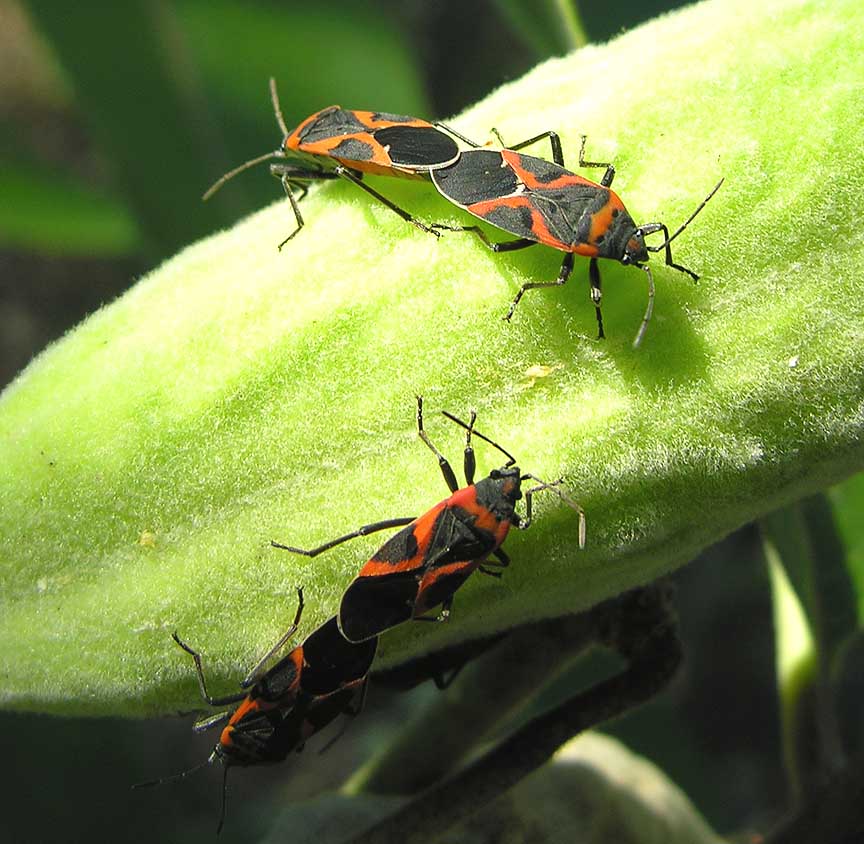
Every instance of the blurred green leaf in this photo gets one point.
(493, 694)
(797, 669)
(142, 72)
(343, 53)
(240, 394)
(47, 212)
(805, 542)
(549, 27)
(848, 501)
(343, 50)
(329, 819)
(128, 66)
(594, 791)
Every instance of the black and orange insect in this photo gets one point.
(280, 708)
(424, 564)
(341, 143)
(541, 202)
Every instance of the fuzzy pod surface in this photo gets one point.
(239, 394)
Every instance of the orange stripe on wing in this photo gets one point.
(249, 706)
(484, 518)
(457, 573)
(538, 231)
(326, 146)
(293, 140)
(565, 180)
(601, 221)
(367, 118)
(417, 536)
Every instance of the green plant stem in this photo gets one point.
(487, 693)
(640, 627)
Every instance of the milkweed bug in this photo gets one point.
(323, 677)
(424, 564)
(541, 202)
(340, 143)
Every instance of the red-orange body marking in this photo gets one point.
(372, 142)
(537, 199)
(424, 564)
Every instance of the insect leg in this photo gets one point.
(350, 176)
(596, 295)
(524, 522)
(443, 683)
(505, 246)
(554, 142)
(503, 558)
(361, 531)
(608, 176)
(210, 721)
(352, 710)
(202, 684)
(451, 131)
(443, 464)
(563, 275)
(650, 228)
(444, 615)
(292, 177)
(255, 673)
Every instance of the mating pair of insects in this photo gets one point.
(419, 568)
(536, 200)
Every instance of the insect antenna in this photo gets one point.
(555, 486)
(174, 777)
(649, 309)
(277, 110)
(510, 458)
(245, 166)
(687, 222)
(224, 800)
(183, 774)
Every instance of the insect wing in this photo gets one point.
(281, 683)
(478, 176)
(372, 605)
(461, 549)
(333, 662)
(417, 147)
(249, 739)
(374, 141)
